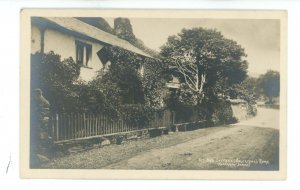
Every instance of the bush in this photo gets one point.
(251, 109)
(223, 113)
(120, 92)
(186, 114)
(55, 77)
(137, 114)
(125, 92)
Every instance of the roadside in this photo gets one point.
(237, 148)
(100, 157)
(241, 146)
(266, 117)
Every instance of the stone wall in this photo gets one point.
(241, 110)
(40, 140)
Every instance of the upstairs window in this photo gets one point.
(83, 53)
(79, 53)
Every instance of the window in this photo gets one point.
(79, 53)
(83, 53)
(88, 54)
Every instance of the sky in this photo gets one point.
(259, 37)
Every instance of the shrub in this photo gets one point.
(137, 114)
(251, 109)
(222, 113)
(55, 77)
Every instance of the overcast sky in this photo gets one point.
(259, 38)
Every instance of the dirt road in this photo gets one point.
(244, 146)
(249, 145)
(266, 117)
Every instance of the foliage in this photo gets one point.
(247, 90)
(180, 98)
(123, 29)
(131, 88)
(270, 84)
(59, 82)
(137, 114)
(55, 77)
(223, 114)
(91, 99)
(205, 61)
(207, 65)
(154, 83)
(150, 73)
(125, 74)
(182, 102)
(115, 86)
(140, 77)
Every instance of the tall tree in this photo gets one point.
(123, 29)
(246, 90)
(205, 61)
(270, 84)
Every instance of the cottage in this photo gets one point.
(70, 37)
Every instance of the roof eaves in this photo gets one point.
(93, 32)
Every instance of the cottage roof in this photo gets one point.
(78, 26)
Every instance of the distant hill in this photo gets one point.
(122, 29)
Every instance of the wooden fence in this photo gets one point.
(73, 126)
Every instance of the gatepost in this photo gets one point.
(40, 140)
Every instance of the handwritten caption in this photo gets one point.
(234, 163)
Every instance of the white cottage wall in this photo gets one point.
(64, 45)
(60, 43)
(35, 39)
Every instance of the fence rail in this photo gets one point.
(82, 125)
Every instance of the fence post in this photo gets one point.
(80, 125)
(76, 126)
(96, 124)
(90, 124)
(174, 127)
(72, 125)
(173, 117)
(84, 126)
(53, 121)
(57, 128)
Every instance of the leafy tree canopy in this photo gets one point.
(205, 61)
(123, 29)
(246, 90)
(270, 84)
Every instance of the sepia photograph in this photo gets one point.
(132, 94)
